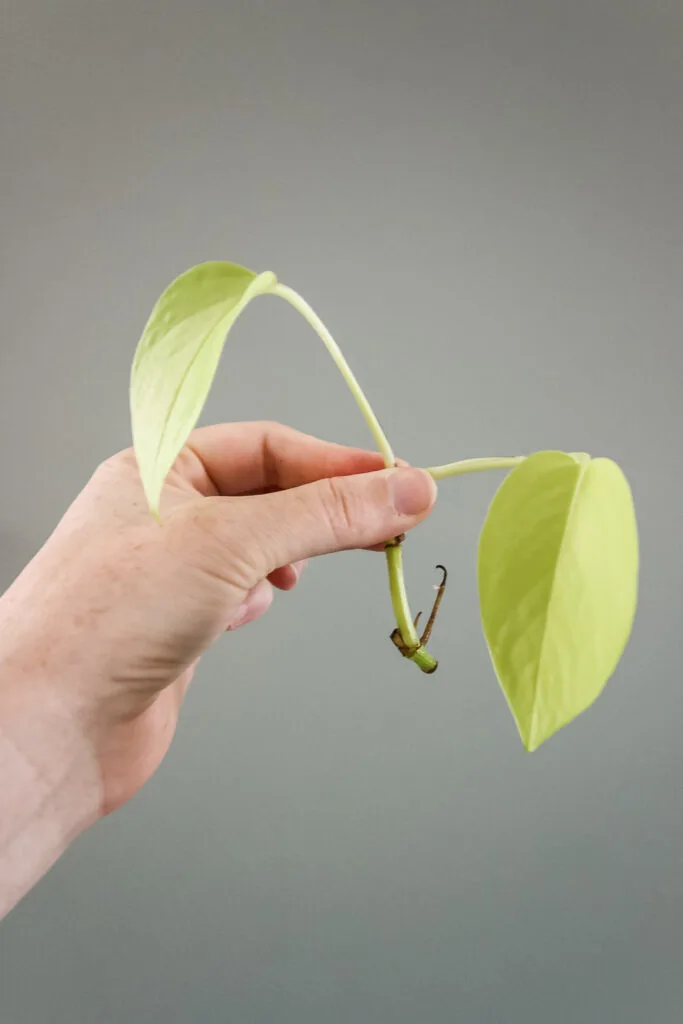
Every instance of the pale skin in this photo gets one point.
(102, 632)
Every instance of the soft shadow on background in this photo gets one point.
(484, 201)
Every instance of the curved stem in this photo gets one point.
(332, 347)
(474, 466)
(394, 557)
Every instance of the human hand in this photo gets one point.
(112, 615)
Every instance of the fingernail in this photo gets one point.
(413, 491)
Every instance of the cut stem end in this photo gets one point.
(416, 650)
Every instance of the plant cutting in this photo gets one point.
(558, 552)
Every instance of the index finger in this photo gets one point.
(246, 458)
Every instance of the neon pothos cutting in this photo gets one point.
(558, 553)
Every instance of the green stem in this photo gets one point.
(332, 347)
(474, 466)
(394, 557)
(399, 600)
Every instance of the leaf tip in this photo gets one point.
(534, 734)
(528, 741)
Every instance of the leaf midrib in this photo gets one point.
(187, 372)
(572, 505)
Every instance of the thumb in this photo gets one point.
(329, 515)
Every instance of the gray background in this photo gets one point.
(485, 202)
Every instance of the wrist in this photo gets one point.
(51, 788)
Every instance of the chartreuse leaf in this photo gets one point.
(558, 577)
(176, 360)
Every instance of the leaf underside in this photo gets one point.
(176, 360)
(558, 580)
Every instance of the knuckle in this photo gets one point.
(273, 427)
(339, 509)
(273, 433)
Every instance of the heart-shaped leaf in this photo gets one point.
(558, 580)
(176, 360)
